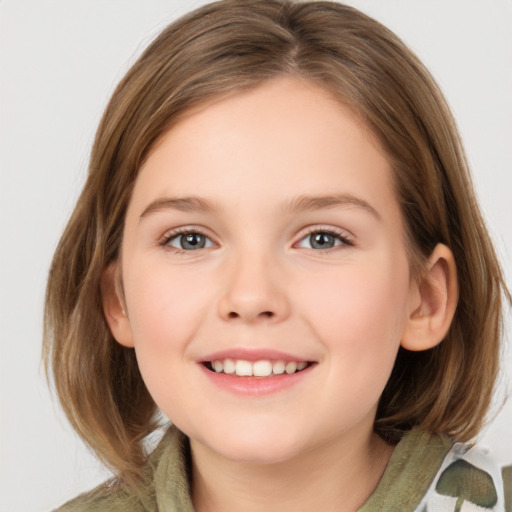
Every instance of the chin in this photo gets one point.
(257, 455)
(253, 445)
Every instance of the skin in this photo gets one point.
(259, 284)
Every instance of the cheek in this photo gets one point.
(357, 312)
(164, 306)
(362, 309)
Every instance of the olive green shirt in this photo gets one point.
(425, 473)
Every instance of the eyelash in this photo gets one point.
(176, 233)
(338, 235)
(342, 236)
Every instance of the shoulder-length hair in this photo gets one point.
(224, 48)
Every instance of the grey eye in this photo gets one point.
(190, 241)
(322, 240)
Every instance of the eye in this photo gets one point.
(323, 240)
(189, 241)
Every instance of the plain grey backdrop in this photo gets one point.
(59, 62)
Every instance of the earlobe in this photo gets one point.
(429, 321)
(114, 307)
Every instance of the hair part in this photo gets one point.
(225, 48)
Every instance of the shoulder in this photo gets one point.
(105, 499)
(471, 475)
(429, 472)
(112, 497)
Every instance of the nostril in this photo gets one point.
(267, 314)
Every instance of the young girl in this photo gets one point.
(279, 248)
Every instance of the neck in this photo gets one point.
(336, 476)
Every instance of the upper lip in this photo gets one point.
(252, 355)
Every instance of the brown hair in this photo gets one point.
(223, 48)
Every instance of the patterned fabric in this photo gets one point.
(469, 480)
(426, 473)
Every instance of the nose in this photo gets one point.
(254, 291)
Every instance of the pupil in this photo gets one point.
(321, 241)
(192, 241)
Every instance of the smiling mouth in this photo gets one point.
(262, 368)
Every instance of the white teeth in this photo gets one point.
(229, 366)
(243, 368)
(278, 367)
(290, 367)
(262, 368)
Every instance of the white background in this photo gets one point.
(60, 60)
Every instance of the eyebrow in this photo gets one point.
(296, 205)
(307, 203)
(183, 204)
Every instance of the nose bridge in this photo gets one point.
(254, 288)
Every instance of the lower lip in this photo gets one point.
(255, 386)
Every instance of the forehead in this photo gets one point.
(282, 139)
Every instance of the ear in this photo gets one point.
(114, 307)
(435, 301)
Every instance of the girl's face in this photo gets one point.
(263, 235)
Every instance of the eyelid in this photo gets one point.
(346, 238)
(184, 230)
